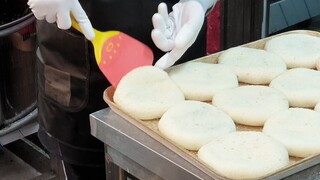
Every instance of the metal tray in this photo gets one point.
(151, 126)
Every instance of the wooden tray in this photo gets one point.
(151, 126)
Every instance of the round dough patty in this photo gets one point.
(300, 85)
(297, 49)
(146, 93)
(244, 155)
(200, 81)
(252, 104)
(298, 129)
(253, 66)
(191, 124)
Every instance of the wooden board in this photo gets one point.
(151, 126)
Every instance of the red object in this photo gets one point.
(121, 54)
(213, 30)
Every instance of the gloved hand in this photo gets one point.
(59, 11)
(175, 32)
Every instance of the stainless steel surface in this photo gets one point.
(139, 154)
(129, 165)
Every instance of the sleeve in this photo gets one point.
(206, 4)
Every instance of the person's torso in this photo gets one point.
(69, 82)
(133, 17)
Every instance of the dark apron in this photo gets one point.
(70, 84)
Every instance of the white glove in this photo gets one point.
(174, 33)
(59, 11)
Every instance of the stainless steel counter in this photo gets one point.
(144, 157)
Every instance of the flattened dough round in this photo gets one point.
(298, 129)
(191, 124)
(253, 66)
(146, 93)
(200, 81)
(300, 85)
(251, 104)
(296, 49)
(244, 155)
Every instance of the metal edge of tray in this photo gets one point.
(296, 168)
